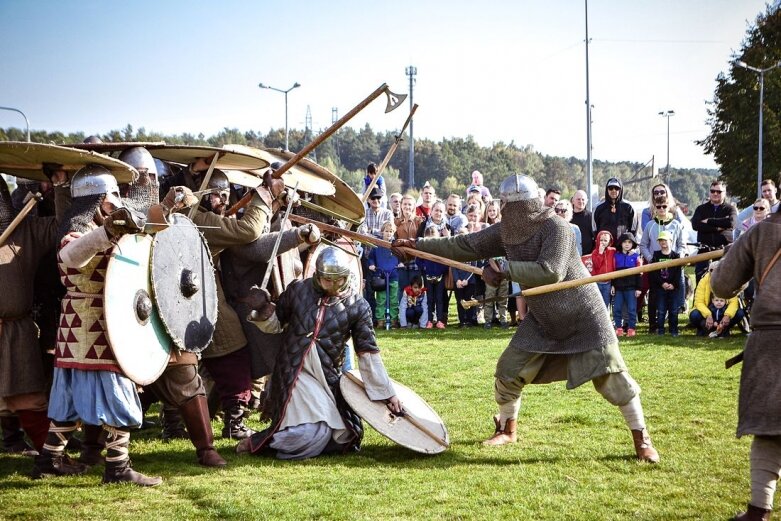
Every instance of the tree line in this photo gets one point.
(446, 165)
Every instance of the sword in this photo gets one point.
(30, 200)
(394, 100)
(272, 262)
(204, 184)
(368, 239)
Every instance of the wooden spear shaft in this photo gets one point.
(389, 155)
(655, 266)
(311, 146)
(22, 214)
(369, 239)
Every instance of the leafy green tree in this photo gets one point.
(733, 112)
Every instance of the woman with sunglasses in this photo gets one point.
(760, 211)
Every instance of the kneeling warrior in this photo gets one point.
(566, 335)
(317, 316)
(88, 383)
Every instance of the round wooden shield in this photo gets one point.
(356, 273)
(243, 178)
(307, 175)
(185, 289)
(136, 335)
(419, 429)
(26, 160)
(228, 160)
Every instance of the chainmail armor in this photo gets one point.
(142, 194)
(523, 219)
(81, 214)
(7, 212)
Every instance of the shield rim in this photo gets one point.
(146, 378)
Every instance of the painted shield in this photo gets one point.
(185, 290)
(419, 429)
(136, 335)
(26, 160)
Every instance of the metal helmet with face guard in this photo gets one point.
(334, 265)
(96, 180)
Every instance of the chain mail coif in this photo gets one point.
(522, 219)
(142, 194)
(7, 212)
(81, 214)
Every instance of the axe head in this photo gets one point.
(394, 100)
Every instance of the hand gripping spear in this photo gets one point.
(272, 261)
(394, 101)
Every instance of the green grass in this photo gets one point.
(574, 460)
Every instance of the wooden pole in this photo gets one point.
(204, 185)
(567, 284)
(369, 239)
(22, 214)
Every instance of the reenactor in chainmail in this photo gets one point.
(567, 335)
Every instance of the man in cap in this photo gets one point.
(376, 215)
(614, 214)
(88, 383)
(317, 316)
(566, 335)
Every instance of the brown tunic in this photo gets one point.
(21, 363)
(759, 400)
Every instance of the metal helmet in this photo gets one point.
(333, 264)
(518, 187)
(140, 159)
(96, 180)
(92, 140)
(163, 170)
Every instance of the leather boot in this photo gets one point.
(643, 447)
(502, 436)
(122, 472)
(36, 425)
(753, 514)
(195, 412)
(49, 465)
(234, 422)
(93, 445)
(171, 420)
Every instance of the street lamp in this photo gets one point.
(23, 115)
(295, 85)
(761, 72)
(667, 114)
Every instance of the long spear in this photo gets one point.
(32, 199)
(369, 239)
(389, 155)
(394, 101)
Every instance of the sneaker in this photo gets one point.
(674, 333)
(713, 334)
(440, 325)
(487, 325)
(619, 331)
(504, 325)
(429, 325)
(380, 324)
(631, 332)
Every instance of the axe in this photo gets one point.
(29, 201)
(394, 100)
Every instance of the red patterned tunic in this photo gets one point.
(82, 342)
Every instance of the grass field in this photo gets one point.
(574, 459)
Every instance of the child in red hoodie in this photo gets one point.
(603, 261)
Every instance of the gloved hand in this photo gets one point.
(259, 300)
(122, 221)
(492, 276)
(396, 246)
(308, 233)
(178, 197)
(275, 186)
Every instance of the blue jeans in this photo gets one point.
(667, 302)
(625, 297)
(604, 289)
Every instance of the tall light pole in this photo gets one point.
(589, 159)
(761, 72)
(25, 119)
(295, 85)
(411, 71)
(667, 114)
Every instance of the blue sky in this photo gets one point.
(496, 70)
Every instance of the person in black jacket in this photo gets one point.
(581, 217)
(667, 282)
(614, 214)
(714, 223)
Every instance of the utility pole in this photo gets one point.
(308, 133)
(334, 119)
(589, 160)
(411, 71)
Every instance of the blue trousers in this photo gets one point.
(604, 289)
(667, 303)
(625, 298)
